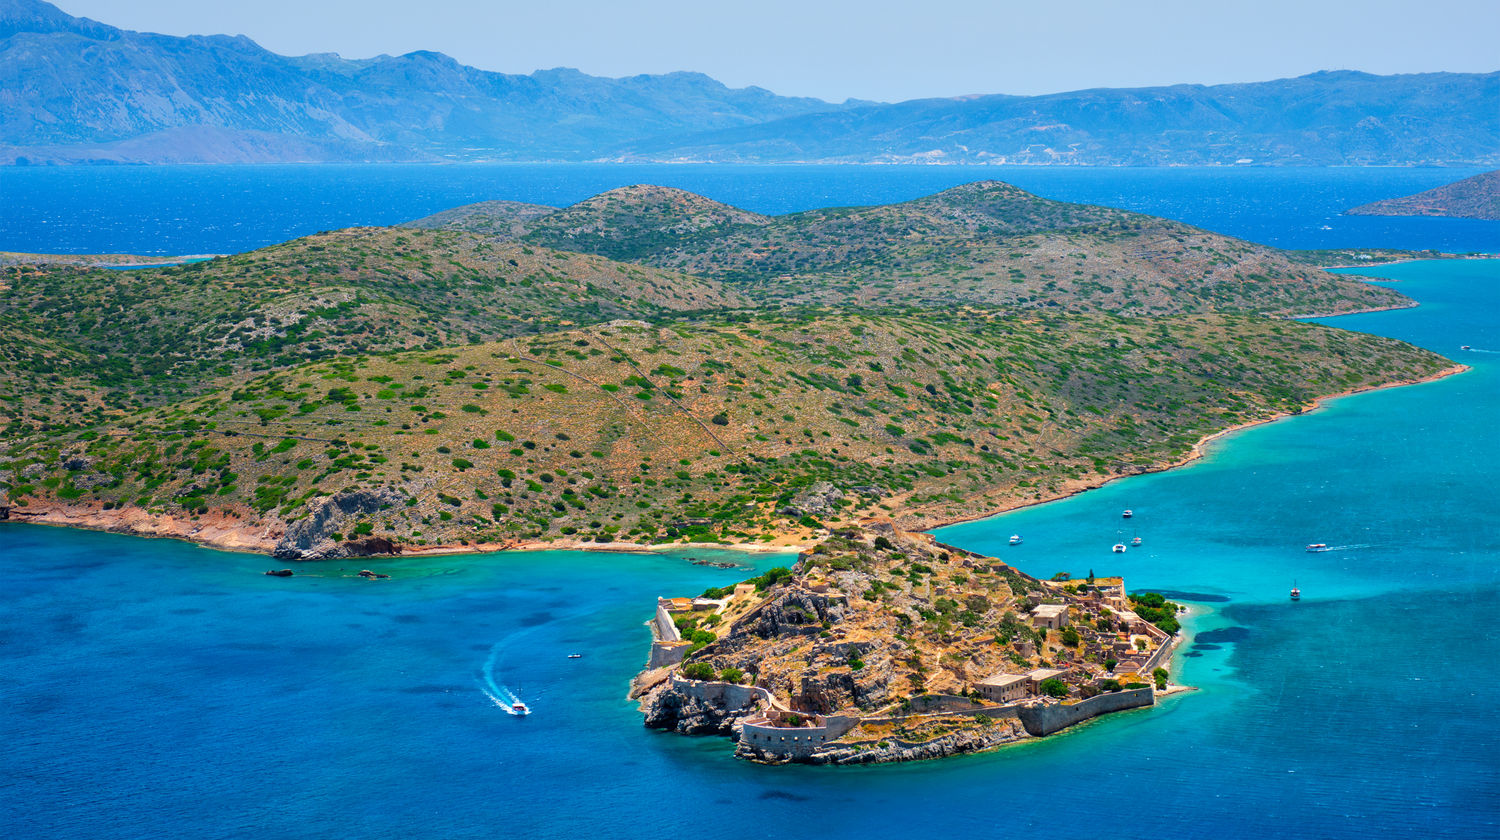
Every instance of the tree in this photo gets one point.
(1109, 664)
(1070, 637)
(1160, 675)
(1053, 687)
(732, 675)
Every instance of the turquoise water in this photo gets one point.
(152, 688)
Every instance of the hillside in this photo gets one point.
(710, 430)
(1476, 197)
(419, 386)
(147, 336)
(983, 244)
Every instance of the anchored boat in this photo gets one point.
(1015, 539)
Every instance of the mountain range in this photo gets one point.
(73, 90)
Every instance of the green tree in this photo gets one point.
(698, 671)
(1053, 687)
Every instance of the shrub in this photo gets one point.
(698, 671)
(732, 675)
(720, 419)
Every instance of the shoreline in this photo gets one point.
(1197, 451)
(227, 533)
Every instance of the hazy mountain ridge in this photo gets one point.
(74, 90)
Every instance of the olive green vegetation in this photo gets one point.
(510, 391)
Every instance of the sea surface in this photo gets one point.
(176, 210)
(156, 689)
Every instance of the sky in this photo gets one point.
(870, 49)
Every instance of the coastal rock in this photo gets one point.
(311, 538)
(694, 709)
(895, 749)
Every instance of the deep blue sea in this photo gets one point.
(155, 689)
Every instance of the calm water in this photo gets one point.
(155, 689)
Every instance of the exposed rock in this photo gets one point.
(820, 499)
(279, 572)
(369, 547)
(311, 538)
(675, 706)
(894, 749)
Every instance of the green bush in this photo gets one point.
(698, 671)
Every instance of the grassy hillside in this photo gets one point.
(442, 386)
(985, 244)
(147, 336)
(712, 430)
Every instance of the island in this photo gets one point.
(880, 645)
(1476, 197)
(650, 366)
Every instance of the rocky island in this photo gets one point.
(880, 645)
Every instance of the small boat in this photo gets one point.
(1119, 548)
(1128, 513)
(1317, 546)
(1135, 541)
(1015, 539)
(575, 656)
(519, 708)
(1296, 593)
(1465, 347)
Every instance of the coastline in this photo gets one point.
(1197, 451)
(231, 533)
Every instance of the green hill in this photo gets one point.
(985, 244)
(438, 386)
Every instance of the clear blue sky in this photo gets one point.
(872, 49)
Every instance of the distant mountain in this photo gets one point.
(75, 90)
(1477, 197)
(1342, 118)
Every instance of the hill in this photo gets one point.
(982, 244)
(1476, 197)
(373, 388)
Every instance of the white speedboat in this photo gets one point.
(519, 708)
(1015, 539)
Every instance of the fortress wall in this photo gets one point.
(1045, 720)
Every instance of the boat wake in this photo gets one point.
(498, 694)
(1321, 548)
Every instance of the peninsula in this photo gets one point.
(650, 366)
(882, 646)
(1476, 197)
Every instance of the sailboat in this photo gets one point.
(1296, 593)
